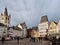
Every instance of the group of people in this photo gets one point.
(16, 38)
(55, 41)
(36, 39)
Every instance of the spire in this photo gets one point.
(5, 12)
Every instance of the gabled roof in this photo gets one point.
(51, 22)
(23, 24)
(58, 22)
(10, 27)
(55, 22)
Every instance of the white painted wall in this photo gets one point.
(17, 33)
(42, 27)
(24, 30)
(1, 30)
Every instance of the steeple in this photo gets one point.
(5, 12)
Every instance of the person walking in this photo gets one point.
(3, 40)
(18, 40)
(54, 41)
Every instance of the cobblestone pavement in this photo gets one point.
(25, 42)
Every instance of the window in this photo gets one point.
(8, 18)
(50, 27)
(59, 30)
(2, 18)
(41, 32)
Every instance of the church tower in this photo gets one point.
(5, 18)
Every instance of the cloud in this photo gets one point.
(31, 11)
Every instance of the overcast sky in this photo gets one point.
(31, 11)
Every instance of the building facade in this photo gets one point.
(3, 31)
(17, 33)
(23, 27)
(52, 28)
(34, 33)
(58, 27)
(43, 26)
(5, 18)
(10, 31)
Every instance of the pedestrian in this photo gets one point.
(33, 39)
(18, 39)
(54, 41)
(11, 37)
(3, 40)
(15, 37)
(59, 39)
(39, 38)
(30, 38)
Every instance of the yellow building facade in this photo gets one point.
(52, 28)
(35, 33)
(58, 27)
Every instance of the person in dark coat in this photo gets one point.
(18, 40)
(59, 39)
(54, 41)
(3, 39)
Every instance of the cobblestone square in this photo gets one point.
(25, 42)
